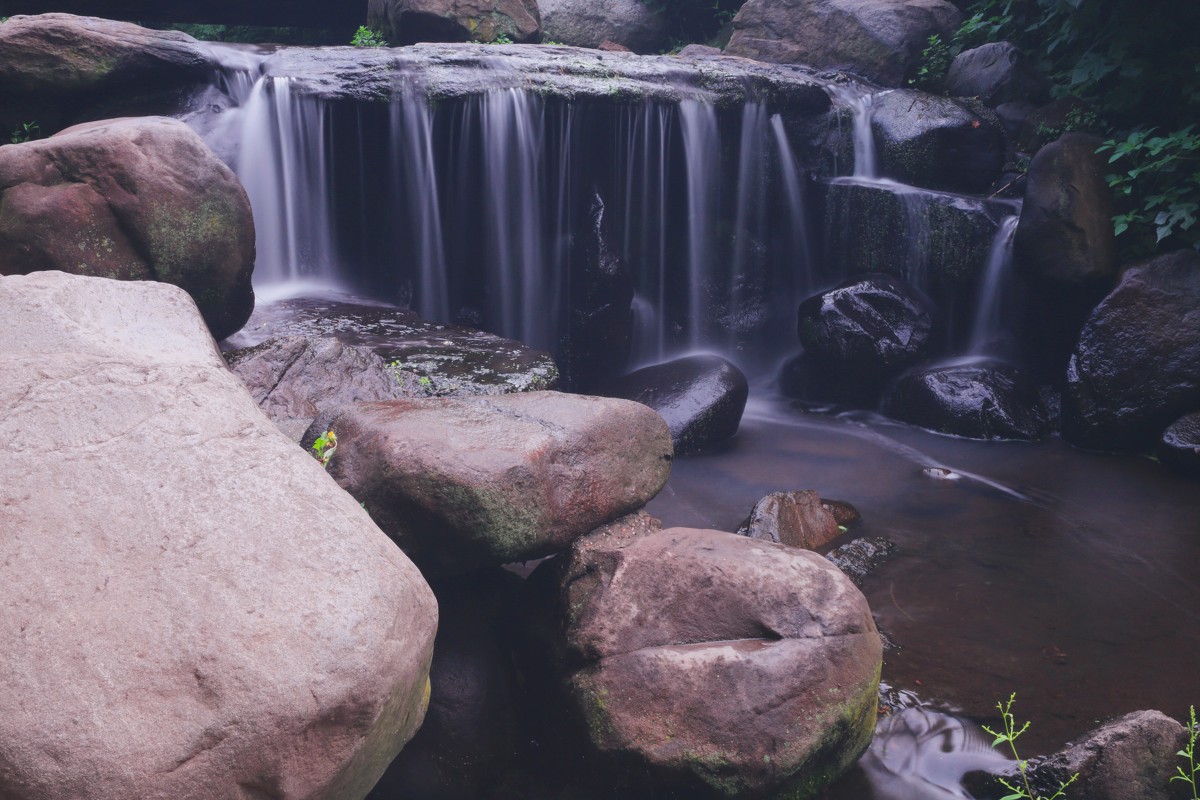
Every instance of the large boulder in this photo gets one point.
(190, 607)
(1064, 246)
(59, 68)
(411, 21)
(978, 400)
(937, 142)
(710, 664)
(586, 23)
(132, 199)
(865, 331)
(1179, 446)
(701, 397)
(1136, 367)
(881, 40)
(466, 482)
(996, 73)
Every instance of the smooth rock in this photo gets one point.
(132, 199)
(466, 482)
(797, 519)
(710, 664)
(1136, 367)
(701, 398)
(978, 400)
(589, 23)
(996, 73)
(293, 377)
(937, 142)
(881, 40)
(190, 607)
(410, 21)
(1179, 446)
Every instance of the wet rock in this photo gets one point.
(411, 21)
(191, 608)
(131, 199)
(698, 50)
(700, 397)
(59, 69)
(473, 732)
(866, 330)
(600, 325)
(797, 519)
(937, 142)
(442, 360)
(979, 400)
(881, 40)
(996, 73)
(844, 513)
(745, 669)
(466, 482)
(1179, 446)
(860, 558)
(587, 24)
(1136, 367)
(1064, 247)
(1131, 758)
(293, 377)
(1012, 117)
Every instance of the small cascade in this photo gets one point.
(861, 102)
(988, 336)
(796, 222)
(701, 146)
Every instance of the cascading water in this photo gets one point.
(988, 335)
(698, 122)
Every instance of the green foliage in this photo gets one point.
(1157, 184)
(1188, 754)
(1009, 736)
(26, 132)
(365, 37)
(324, 447)
(935, 63)
(1077, 120)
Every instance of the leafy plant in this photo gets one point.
(935, 63)
(1009, 736)
(1077, 119)
(1158, 185)
(365, 37)
(26, 132)
(1188, 754)
(324, 447)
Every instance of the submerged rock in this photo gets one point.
(797, 519)
(701, 398)
(466, 482)
(1179, 446)
(190, 607)
(744, 669)
(1136, 367)
(860, 558)
(881, 40)
(979, 400)
(411, 21)
(442, 360)
(132, 199)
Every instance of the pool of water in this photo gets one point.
(1067, 576)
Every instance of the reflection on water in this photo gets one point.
(1066, 576)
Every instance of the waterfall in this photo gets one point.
(701, 151)
(861, 102)
(988, 332)
(797, 222)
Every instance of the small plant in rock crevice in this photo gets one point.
(365, 37)
(1009, 736)
(324, 447)
(26, 132)
(1188, 754)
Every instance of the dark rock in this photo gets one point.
(613, 47)
(59, 69)
(1064, 248)
(1047, 122)
(844, 513)
(937, 142)
(860, 558)
(1131, 758)
(881, 40)
(293, 377)
(996, 73)
(600, 325)
(1179, 446)
(1136, 368)
(745, 669)
(979, 400)
(190, 608)
(461, 483)
(412, 21)
(131, 199)
(442, 360)
(1012, 117)
(700, 397)
(797, 519)
(698, 51)
(866, 330)
(472, 735)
